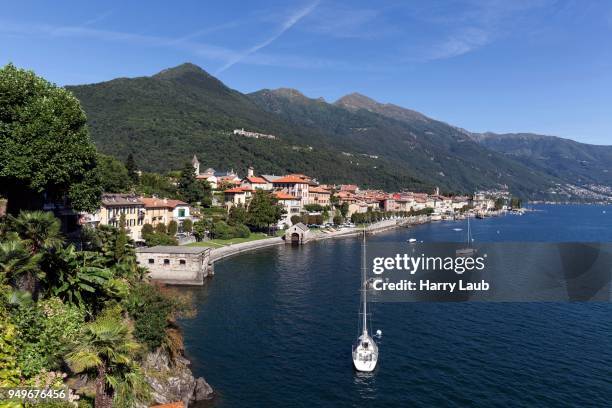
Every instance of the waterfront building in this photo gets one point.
(357, 207)
(115, 205)
(291, 204)
(297, 234)
(177, 265)
(319, 195)
(294, 184)
(163, 210)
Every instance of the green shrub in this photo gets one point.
(172, 228)
(45, 333)
(242, 231)
(9, 368)
(150, 310)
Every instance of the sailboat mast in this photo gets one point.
(363, 281)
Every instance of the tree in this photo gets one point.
(187, 226)
(114, 177)
(263, 210)
(78, 277)
(161, 228)
(132, 170)
(172, 228)
(313, 207)
(16, 262)
(516, 202)
(344, 209)
(237, 215)
(199, 230)
(39, 231)
(193, 190)
(295, 219)
(107, 349)
(45, 148)
(147, 229)
(158, 238)
(337, 220)
(157, 184)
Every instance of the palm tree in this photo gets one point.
(38, 229)
(16, 262)
(80, 277)
(107, 348)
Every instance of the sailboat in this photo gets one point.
(469, 250)
(365, 350)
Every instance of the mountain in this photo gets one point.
(404, 139)
(576, 163)
(166, 118)
(356, 101)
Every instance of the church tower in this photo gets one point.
(196, 165)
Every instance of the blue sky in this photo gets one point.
(519, 65)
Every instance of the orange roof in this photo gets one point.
(348, 187)
(255, 180)
(152, 202)
(320, 190)
(281, 195)
(292, 178)
(237, 190)
(345, 194)
(178, 404)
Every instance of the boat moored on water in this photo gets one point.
(365, 353)
(365, 350)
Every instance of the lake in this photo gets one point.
(275, 328)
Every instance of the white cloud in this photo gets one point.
(460, 43)
(286, 25)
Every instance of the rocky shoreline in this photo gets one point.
(172, 380)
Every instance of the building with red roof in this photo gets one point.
(295, 184)
(255, 182)
(291, 204)
(238, 196)
(164, 210)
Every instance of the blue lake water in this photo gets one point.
(275, 328)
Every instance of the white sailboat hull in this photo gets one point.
(365, 354)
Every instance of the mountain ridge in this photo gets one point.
(177, 112)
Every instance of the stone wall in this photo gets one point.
(178, 266)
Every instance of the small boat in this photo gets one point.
(365, 350)
(412, 240)
(457, 229)
(469, 250)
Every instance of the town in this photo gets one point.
(301, 199)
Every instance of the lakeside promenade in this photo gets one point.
(217, 254)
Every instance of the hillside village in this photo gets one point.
(301, 198)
